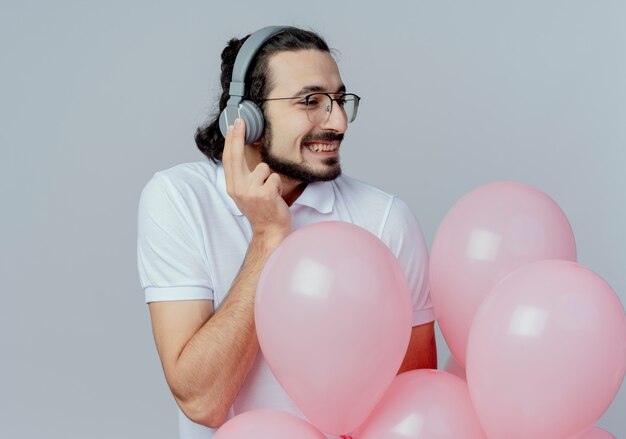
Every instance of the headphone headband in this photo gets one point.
(236, 105)
(244, 57)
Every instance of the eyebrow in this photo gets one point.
(317, 88)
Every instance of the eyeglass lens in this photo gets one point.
(320, 105)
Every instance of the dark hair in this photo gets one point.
(208, 137)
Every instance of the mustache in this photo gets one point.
(323, 137)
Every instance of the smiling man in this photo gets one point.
(207, 228)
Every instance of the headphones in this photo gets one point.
(236, 105)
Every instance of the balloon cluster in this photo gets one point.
(540, 339)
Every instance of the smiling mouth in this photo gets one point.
(322, 147)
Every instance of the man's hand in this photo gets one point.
(258, 194)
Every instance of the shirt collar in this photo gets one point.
(318, 195)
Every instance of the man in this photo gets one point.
(206, 229)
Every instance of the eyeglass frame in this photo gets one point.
(307, 97)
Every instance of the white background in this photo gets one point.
(97, 96)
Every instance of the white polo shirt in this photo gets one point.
(192, 240)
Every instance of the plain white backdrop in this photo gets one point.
(97, 96)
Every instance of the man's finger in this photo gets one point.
(226, 156)
(237, 150)
(259, 175)
(274, 184)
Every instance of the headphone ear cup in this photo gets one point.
(227, 117)
(251, 115)
(255, 122)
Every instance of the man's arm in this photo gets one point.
(206, 357)
(422, 350)
(403, 235)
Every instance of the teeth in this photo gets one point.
(321, 147)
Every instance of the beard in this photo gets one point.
(301, 172)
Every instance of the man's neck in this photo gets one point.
(291, 189)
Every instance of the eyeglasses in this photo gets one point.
(320, 105)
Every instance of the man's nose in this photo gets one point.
(337, 119)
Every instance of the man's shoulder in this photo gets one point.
(196, 176)
(189, 172)
(183, 183)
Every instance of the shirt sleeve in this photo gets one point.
(169, 257)
(403, 235)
